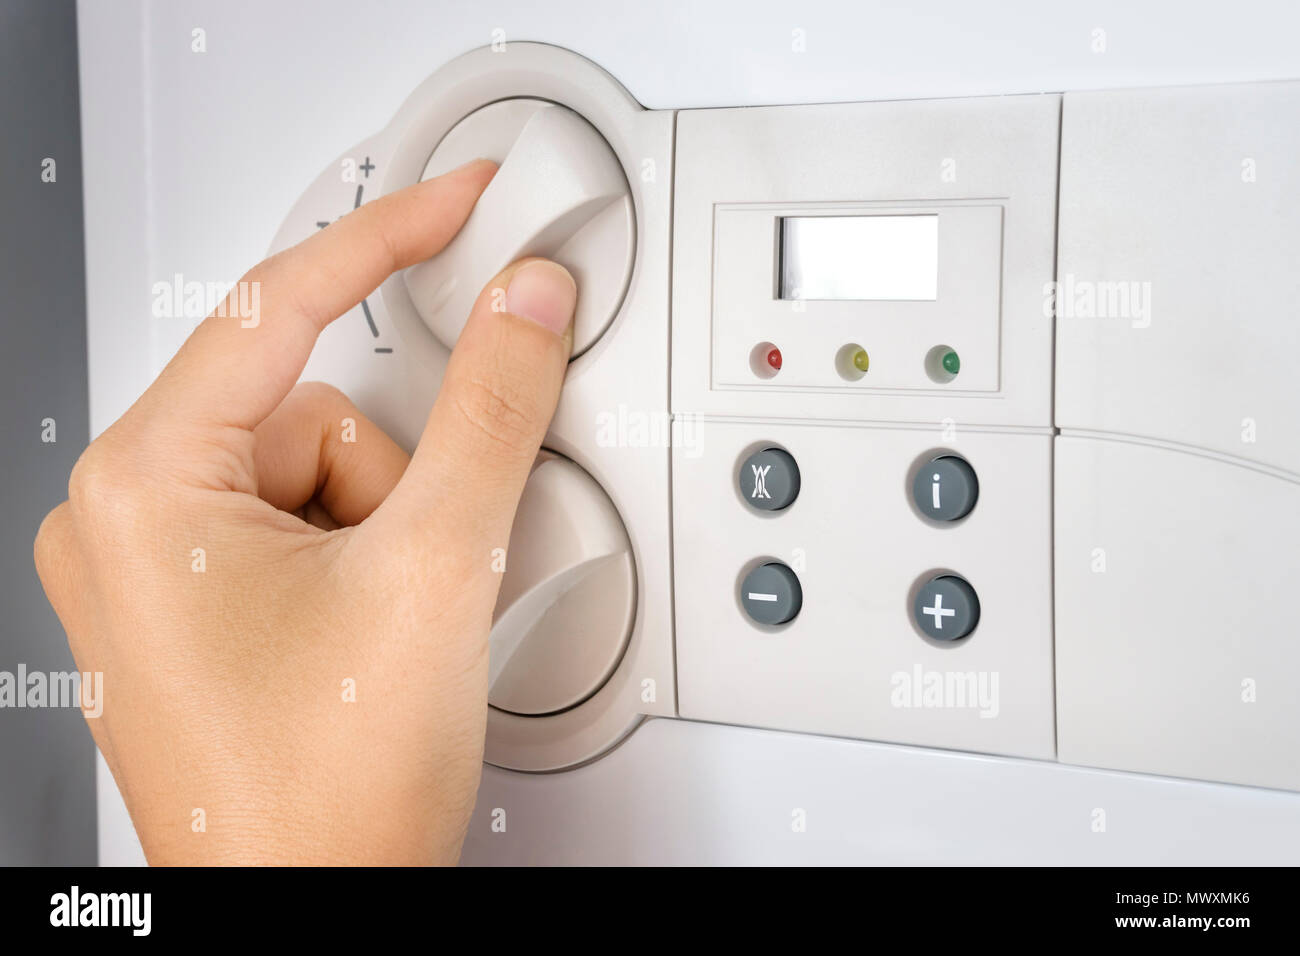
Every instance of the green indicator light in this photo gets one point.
(951, 363)
(860, 360)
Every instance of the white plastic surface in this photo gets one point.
(986, 167)
(564, 613)
(1178, 275)
(681, 793)
(559, 193)
(1178, 464)
(1175, 581)
(853, 663)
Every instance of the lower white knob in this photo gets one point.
(566, 606)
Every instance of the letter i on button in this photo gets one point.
(945, 489)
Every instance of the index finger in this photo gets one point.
(234, 371)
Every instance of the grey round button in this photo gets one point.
(770, 594)
(769, 480)
(947, 608)
(945, 489)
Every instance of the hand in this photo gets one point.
(328, 570)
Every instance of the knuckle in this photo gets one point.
(285, 282)
(53, 539)
(91, 473)
(102, 487)
(320, 395)
(377, 218)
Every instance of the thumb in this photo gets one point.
(493, 410)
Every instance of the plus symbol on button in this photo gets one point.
(938, 612)
(367, 166)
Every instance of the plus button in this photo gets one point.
(938, 612)
(950, 597)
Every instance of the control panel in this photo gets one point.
(943, 423)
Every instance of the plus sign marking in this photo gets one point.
(953, 611)
(938, 612)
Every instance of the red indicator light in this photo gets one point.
(774, 359)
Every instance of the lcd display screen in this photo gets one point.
(859, 257)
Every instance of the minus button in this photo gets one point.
(770, 594)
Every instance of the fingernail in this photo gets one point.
(544, 292)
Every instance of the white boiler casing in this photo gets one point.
(926, 484)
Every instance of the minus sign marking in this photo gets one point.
(383, 350)
(756, 596)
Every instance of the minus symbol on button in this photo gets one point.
(756, 596)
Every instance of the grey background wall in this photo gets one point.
(47, 802)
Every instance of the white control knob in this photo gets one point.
(564, 614)
(560, 193)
